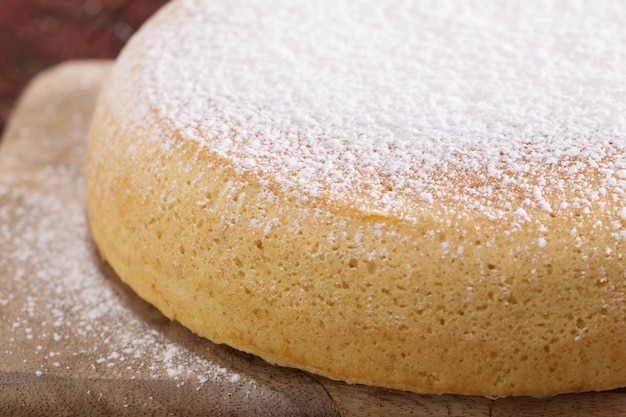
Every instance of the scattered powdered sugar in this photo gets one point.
(386, 105)
(66, 313)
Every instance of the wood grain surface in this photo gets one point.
(74, 340)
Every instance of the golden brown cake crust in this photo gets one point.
(492, 288)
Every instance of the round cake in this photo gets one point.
(426, 196)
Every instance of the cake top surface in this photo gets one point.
(386, 104)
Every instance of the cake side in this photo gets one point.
(355, 296)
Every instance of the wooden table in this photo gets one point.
(74, 340)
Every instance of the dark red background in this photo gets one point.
(36, 34)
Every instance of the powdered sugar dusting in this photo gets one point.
(59, 305)
(386, 105)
